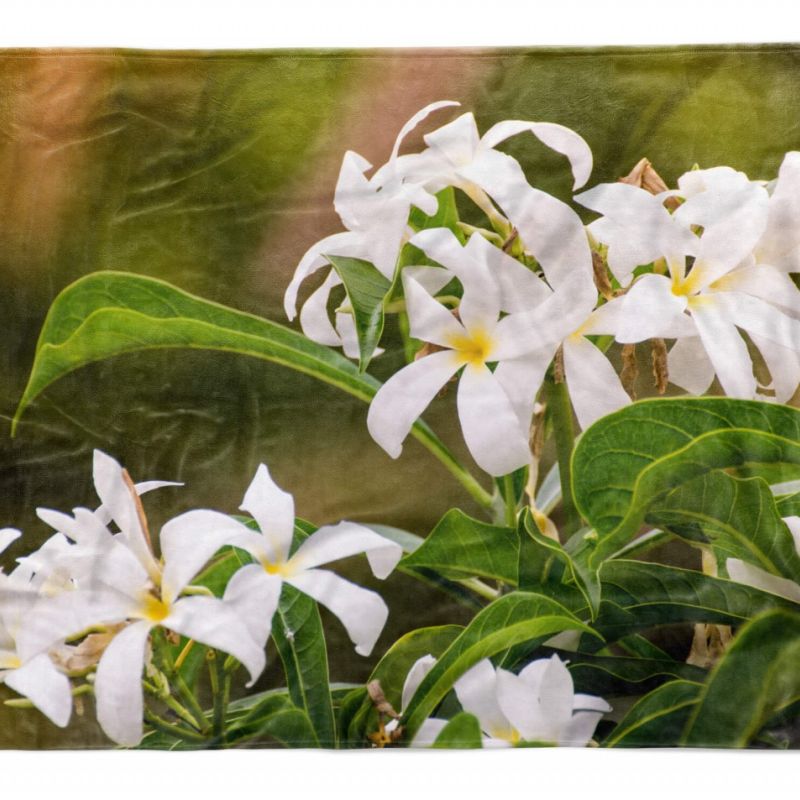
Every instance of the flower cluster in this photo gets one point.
(87, 603)
(702, 271)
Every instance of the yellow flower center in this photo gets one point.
(474, 349)
(9, 661)
(154, 609)
(271, 568)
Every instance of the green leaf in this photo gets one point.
(756, 678)
(367, 290)
(446, 215)
(462, 731)
(629, 459)
(300, 639)
(638, 595)
(658, 718)
(737, 517)
(105, 314)
(544, 560)
(513, 619)
(460, 546)
(620, 675)
(277, 718)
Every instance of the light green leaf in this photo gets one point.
(462, 731)
(513, 619)
(460, 546)
(629, 459)
(367, 290)
(105, 314)
(658, 718)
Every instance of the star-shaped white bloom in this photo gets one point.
(507, 318)
(24, 667)
(254, 590)
(538, 705)
(119, 580)
(714, 287)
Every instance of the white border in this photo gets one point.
(246, 24)
(296, 775)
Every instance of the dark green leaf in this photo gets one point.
(366, 290)
(300, 639)
(460, 546)
(756, 678)
(658, 718)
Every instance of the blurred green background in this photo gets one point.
(215, 171)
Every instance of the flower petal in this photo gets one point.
(419, 669)
(362, 612)
(724, 345)
(594, 387)
(550, 229)
(520, 289)
(273, 510)
(521, 379)
(783, 365)
(314, 319)
(214, 623)
(492, 430)
(332, 542)
(780, 243)
(47, 688)
(428, 319)
(689, 366)
(476, 690)
(750, 575)
(760, 317)
(189, 541)
(115, 494)
(405, 396)
(649, 310)
(118, 685)
(766, 282)
(557, 137)
(344, 243)
(7, 536)
(457, 141)
(416, 119)
(428, 732)
(254, 594)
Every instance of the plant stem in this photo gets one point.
(221, 686)
(177, 731)
(560, 409)
(172, 704)
(511, 501)
(191, 701)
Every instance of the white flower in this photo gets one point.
(119, 580)
(376, 218)
(725, 289)
(431, 727)
(456, 152)
(494, 406)
(538, 705)
(26, 669)
(254, 590)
